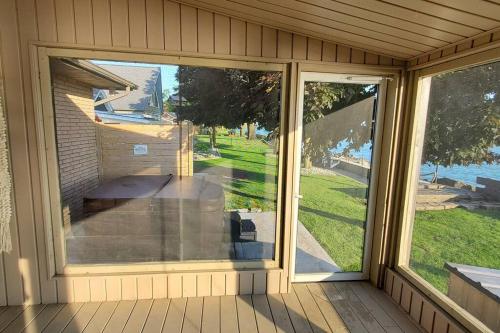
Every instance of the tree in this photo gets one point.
(205, 91)
(228, 97)
(255, 98)
(323, 99)
(463, 117)
(167, 106)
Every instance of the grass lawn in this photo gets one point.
(333, 210)
(248, 170)
(454, 235)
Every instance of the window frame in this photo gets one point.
(337, 77)
(49, 167)
(411, 158)
(380, 233)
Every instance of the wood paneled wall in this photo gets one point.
(138, 25)
(457, 50)
(430, 317)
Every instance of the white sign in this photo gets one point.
(140, 149)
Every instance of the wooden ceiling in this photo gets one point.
(399, 28)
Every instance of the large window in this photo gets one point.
(166, 163)
(455, 243)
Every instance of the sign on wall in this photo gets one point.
(140, 149)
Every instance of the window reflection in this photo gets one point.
(456, 228)
(166, 163)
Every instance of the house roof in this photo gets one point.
(87, 72)
(403, 29)
(144, 78)
(174, 99)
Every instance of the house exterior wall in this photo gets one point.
(141, 26)
(76, 144)
(168, 150)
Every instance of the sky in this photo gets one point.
(168, 80)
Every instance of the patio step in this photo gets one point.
(446, 195)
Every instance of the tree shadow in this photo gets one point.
(332, 216)
(355, 192)
(231, 173)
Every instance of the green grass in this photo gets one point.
(248, 170)
(454, 235)
(333, 209)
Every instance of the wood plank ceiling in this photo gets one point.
(403, 29)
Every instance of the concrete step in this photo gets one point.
(446, 195)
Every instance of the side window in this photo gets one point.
(456, 217)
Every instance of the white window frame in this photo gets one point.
(373, 188)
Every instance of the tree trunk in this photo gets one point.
(250, 131)
(213, 135)
(307, 162)
(241, 130)
(435, 176)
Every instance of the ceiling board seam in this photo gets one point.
(456, 55)
(463, 11)
(416, 21)
(245, 17)
(380, 24)
(337, 29)
(318, 35)
(388, 25)
(489, 32)
(441, 18)
(353, 25)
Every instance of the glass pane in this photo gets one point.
(337, 143)
(165, 162)
(456, 228)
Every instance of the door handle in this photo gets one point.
(299, 196)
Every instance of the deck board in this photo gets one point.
(24, 319)
(246, 314)
(120, 317)
(138, 316)
(44, 318)
(82, 319)
(101, 317)
(331, 316)
(157, 315)
(59, 323)
(312, 307)
(175, 315)
(263, 316)
(280, 314)
(211, 314)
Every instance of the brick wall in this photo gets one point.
(76, 144)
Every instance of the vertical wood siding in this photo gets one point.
(419, 307)
(138, 25)
(456, 49)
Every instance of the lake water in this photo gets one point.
(465, 174)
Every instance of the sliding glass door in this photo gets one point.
(333, 212)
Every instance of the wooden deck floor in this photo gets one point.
(316, 307)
